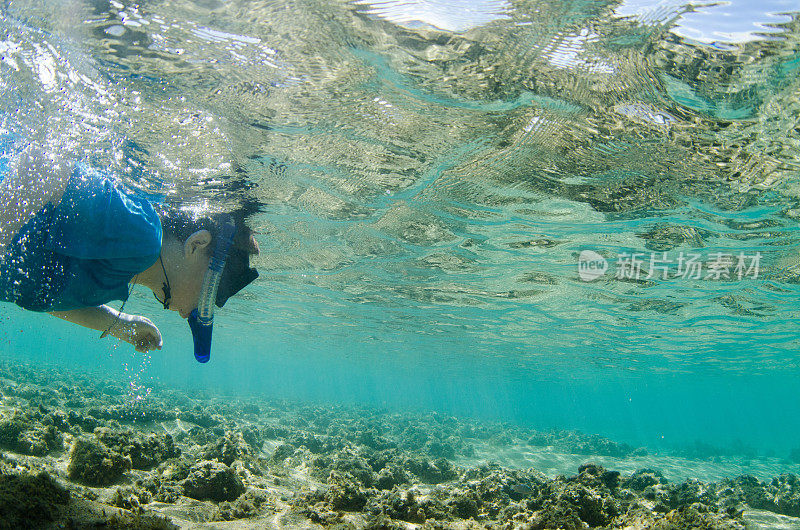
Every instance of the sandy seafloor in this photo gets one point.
(79, 452)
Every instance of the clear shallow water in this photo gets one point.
(426, 177)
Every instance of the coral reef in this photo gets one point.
(205, 459)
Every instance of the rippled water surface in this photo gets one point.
(427, 177)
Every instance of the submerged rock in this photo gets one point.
(689, 492)
(91, 462)
(86, 422)
(175, 469)
(786, 491)
(685, 517)
(407, 506)
(440, 449)
(228, 448)
(587, 498)
(390, 469)
(429, 472)
(314, 443)
(641, 479)
(161, 490)
(251, 504)
(212, 480)
(499, 488)
(137, 521)
(30, 501)
(282, 452)
(390, 476)
(130, 498)
(353, 463)
(344, 492)
(145, 450)
(27, 435)
(780, 495)
(200, 417)
(370, 438)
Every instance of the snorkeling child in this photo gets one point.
(72, 241)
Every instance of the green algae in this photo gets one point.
(92, 463)
(23, 433)
(29, 501)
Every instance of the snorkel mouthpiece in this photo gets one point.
(201, 320)
(201, 334)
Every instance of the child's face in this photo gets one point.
(184, 299)
(190, 270)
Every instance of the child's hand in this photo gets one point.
(139, 332)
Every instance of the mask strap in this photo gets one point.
(166, 288)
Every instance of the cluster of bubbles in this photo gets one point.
(137, 388)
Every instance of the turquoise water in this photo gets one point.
(426, 178)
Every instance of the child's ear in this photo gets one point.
(197, 241)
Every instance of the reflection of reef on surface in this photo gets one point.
(88, 459)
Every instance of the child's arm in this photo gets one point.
(134, 329)
(37, 179)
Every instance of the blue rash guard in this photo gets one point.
(83, 252)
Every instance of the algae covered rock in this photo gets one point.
(85, 421)
(91, 462)
(22, 433)
(641, 479)
(429, 472)
(556, 515)
(145, 450)
(251, 504)
(391, 469)
(161, 490)
(200, 417)
(212, 480)
(406, 506)
(315, 444)
(39, 440)
(353, 463)
(30, 501)
(228, 448)
(130, 498)
(373, 440)
(176, 468)
(344, 492)
(585, 498)
(282, 452)
(786, 491)
(498, 488)
(439, 449)
(693, 516)
(689, 492)
(138, 521)
(391, 476)
(780, 495)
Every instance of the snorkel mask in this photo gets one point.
(201, 320)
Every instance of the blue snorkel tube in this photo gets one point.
(201, 320)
